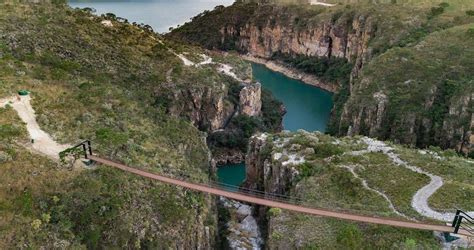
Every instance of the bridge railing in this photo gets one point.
(462, 220)
(86, 147)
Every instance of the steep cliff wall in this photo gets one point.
(358, 33)
(409, 95)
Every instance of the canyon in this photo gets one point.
(366, 37)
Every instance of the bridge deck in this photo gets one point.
(276, 204)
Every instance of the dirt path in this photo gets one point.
(43, 143)
(366, 186)
(420, 199)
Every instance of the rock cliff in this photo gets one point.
(251, 99)
(418, 101)
(358, 33)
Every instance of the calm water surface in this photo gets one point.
(159, 14)
(307, 107)
(232, 175)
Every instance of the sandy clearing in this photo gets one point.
(43, 143)
(316, 2)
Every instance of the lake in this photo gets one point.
(159, 14)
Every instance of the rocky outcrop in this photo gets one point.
(207, 107)
(357, 174)
(271, 172)
(348, 38)
(223, 156)
(251, 99)
(360, 35)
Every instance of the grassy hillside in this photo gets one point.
(330, 173)
(90, 81)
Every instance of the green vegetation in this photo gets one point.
(442, 87)
(327, 69)
(242, 127)
(88, 81)
(325, 180)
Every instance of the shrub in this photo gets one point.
(350, 237)
(272, 212)
(470, 12)
(9, 132)
(435, 11)
(328, 69)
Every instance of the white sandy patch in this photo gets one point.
(262, 136)
(316, 2)
(43, 142)
(185, 60)
(277, 156)
(294, 159)
(421, 197)
(206, 60)
(107, 23)
(227, 70)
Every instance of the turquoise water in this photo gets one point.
(308, 107)
(232, 174)
(159, 14)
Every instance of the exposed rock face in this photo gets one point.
(207, 108)
(359, 35)
(228, 156)
(396, 99)
(251, 99)
(242, 227)
(327, 38)
(264, 174)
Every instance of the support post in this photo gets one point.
(85, 151)
(90, 147)
(456, 229)
(458, 212)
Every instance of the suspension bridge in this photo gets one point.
(462, 224)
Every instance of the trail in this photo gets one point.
(366, 186)
(43, 143)
(420, 199)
